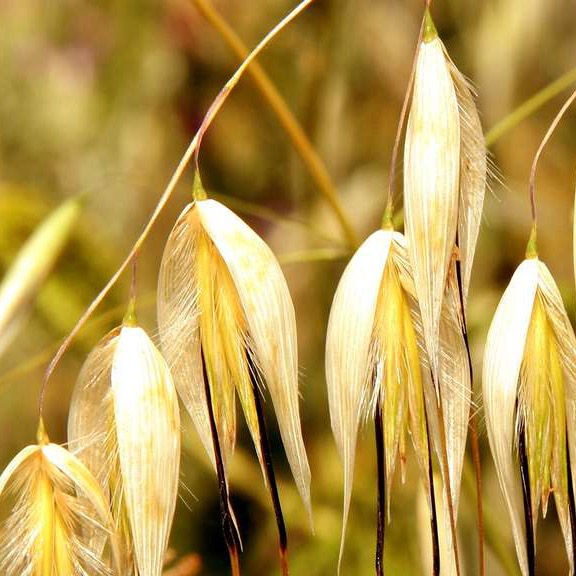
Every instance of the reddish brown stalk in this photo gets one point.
(269, 469)
(545, 140)
(381, 482)
(228, 528)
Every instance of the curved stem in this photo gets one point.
(530, 106)
(192, 148)
(286, 118)
(545, 140)
(403, 114)
(221, 98)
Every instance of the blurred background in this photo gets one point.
(101, 98)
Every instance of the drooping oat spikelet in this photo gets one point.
(54, 500)
(431, 182)
(148, 432)
(529, 394)
(31, 267)
(374, 359)
(125, 425)
(222, 297)
(456, 394)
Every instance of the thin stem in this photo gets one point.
(530, 106)
(269, 469)
(571, 503)
(381, 481)
(286, 118)
(228, 528)
(472, 425)
(433, 513)
(403, 114)
(213, 110)
(530, 549)
(221, 98)
(545, 140)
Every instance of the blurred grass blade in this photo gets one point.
(530, 106)
(34, 262)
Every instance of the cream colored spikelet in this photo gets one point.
(222, 295)
(125, 425)
(55, 500)
(431, 182)
(529, 386)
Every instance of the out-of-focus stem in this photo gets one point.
(529, 107)
(286, 118)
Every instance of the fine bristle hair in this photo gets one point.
(55, 502)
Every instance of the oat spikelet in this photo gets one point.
(28, 272)
(431, 182)
(92, 437)
(54, 500)
(529, 390)
(222, 293)
(148, 432)
(373, 358)
(124, 423)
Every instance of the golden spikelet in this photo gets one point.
(529, 390)
(55, 501)
(124, 423)
(375, 352)
(222, 296)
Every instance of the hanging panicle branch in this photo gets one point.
(190, 151)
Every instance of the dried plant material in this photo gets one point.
(473, 175)
(55, 499)
(373, 359)
(124, 424)
(222, 295)
(33, 264)
(148, 433)
(529, 394)
(431, 182)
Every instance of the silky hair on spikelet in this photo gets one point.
(375, 352)
(445, 169)
(55, 501)
(124, 423)
(223, 301)
(529, 387)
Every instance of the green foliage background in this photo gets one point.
(101, 98)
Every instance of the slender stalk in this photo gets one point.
(228, 528)
(286, 118)
(433, 513)
(545, 140)
(472, 425)
(381, 481)
(192, 147)
(533, 104)
(269, 469)
(571, 503)
(530, 548)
